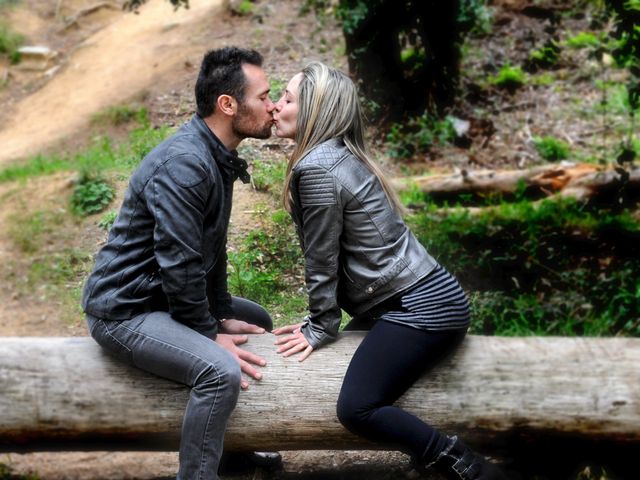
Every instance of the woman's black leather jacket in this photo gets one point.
(358, 251)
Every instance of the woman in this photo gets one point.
(361, 257)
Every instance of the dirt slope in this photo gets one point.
(114, 64)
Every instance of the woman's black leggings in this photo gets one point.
(388, 361)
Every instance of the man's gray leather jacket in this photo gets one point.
(358, 251)
(167, 248)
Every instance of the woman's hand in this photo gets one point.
(292, 341)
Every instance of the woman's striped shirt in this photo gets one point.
(437, 302)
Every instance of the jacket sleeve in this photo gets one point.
(320, 215)
(217, 290)
(177, 196)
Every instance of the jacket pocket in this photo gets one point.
(386, 276)
(346, 274)
(147, 284)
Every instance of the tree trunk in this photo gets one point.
(580, 181)
(378, 36)
(65, 393)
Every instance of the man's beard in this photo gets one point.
(245, 126)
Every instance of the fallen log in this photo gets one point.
(580, 181)
(67, 394)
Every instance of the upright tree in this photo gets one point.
(403, 53)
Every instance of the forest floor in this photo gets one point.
(107, 57)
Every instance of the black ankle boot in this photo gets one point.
(459, 462)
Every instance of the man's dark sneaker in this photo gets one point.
(235, 463)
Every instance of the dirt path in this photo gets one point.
(119, 61)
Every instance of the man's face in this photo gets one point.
(254, 117)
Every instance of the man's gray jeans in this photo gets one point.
(158, 344)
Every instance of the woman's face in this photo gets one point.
(286, 111)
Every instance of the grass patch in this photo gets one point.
(268, 176)
(10, 41)
(36, 167)
(121, 115)
(268, 268)
(615, 99)
(101, 155)
(30, 232)
(60, 269)
(60, 276)
(277, 88)
(6, 472)
(48, 269)
(107, 220)
(553, 268)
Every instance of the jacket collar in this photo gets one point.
(226, 158)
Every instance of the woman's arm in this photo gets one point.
(318, 202)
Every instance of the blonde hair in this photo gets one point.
(328, 107)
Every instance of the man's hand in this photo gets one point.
(231, 325)
(245, 359)
(292, 343)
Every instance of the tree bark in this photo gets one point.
(375, 37)
(65, 393)
(580, 181)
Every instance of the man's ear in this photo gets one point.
(227, 105)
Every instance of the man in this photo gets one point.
(157, 297)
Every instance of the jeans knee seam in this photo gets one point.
(205, 440)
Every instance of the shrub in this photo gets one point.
(91, 195)
(418, 135)
(10, 41)
(583, 40)
(551, 148)
(248, 281)
(544, 57)
(508, 78)
(475, 17)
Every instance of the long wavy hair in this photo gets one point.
(328, 107)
